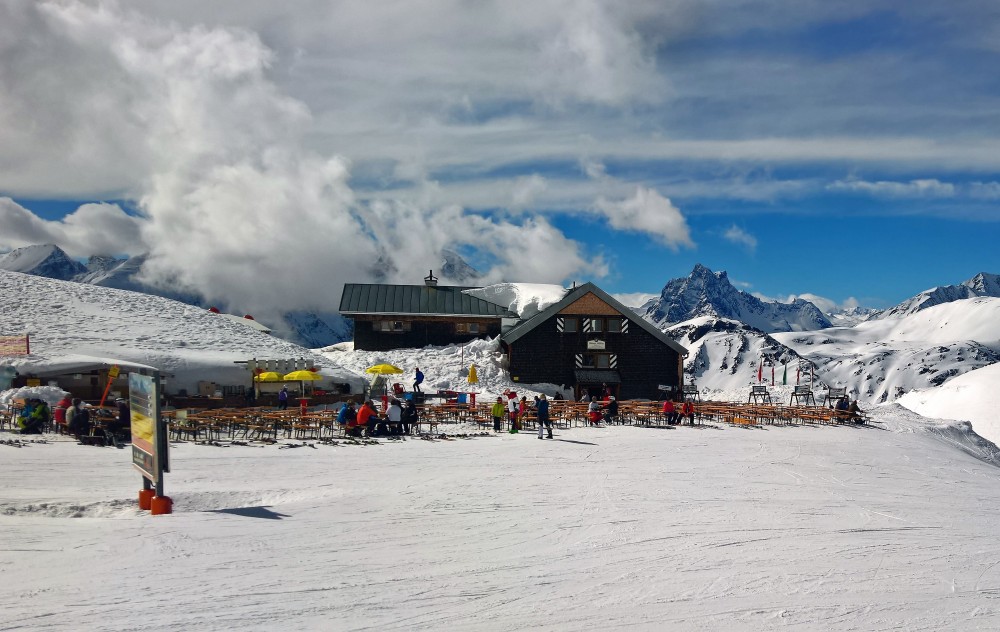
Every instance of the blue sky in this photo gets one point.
(842, 149)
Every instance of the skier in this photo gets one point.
(418, 381)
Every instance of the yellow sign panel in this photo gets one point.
(113, 371)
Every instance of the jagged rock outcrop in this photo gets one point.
(707, 293)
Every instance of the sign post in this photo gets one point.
(149, 441)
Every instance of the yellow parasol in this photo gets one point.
(473, 378)
(268, 376)
(384, 369)
(302, 377)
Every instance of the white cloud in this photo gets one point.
(826, 305)
(187, 121)
(914, 188)
(526, 189)
(91, 229)
(649, 212)
(740, 237)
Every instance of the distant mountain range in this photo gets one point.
(982, 284)
(732, 337)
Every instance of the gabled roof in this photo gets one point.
(422, 300)
(571, 297)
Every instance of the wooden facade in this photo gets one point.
(412, 316)
(404, 331)
(589, 339)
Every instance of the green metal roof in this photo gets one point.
(425, 300)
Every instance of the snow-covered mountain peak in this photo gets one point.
(46, 260)
(707, 293)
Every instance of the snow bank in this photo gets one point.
(972, 397)
(524, 299)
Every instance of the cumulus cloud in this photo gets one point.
(740, 237)
(91, 229)
(648, 212)
(187, 121)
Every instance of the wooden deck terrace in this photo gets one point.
(267, 424)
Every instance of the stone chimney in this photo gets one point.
(430, 280)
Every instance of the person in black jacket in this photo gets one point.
(611, 414)
(410, 416)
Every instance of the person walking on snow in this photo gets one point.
(418, 381)
(283, 398)
(542, 410)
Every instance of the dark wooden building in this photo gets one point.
(589, 339)
(413, 316)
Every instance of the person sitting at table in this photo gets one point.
(346, 415)
(78, 419)
(394, 418)
(34, 417)
(594, 412)
(410, 416)
(59, 413)
(362, 419)
(611, 411)
(123, 420)
(670, 412)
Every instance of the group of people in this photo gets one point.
(851, 408)
(675, 415)
(515, 411)
(397, 419)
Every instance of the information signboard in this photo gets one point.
(144, 402)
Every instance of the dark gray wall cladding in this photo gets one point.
(422, 333)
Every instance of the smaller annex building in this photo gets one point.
(589, 340)
(413, 316)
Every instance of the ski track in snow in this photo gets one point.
(833, 528)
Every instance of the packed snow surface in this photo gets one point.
(889, 527)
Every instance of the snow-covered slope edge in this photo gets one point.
(69, 319)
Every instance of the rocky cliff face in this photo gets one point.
(707, 293)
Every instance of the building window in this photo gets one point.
(467, 328)
(596, 361)
(614, 326)
(596, 325)
(391, 326)
(570, 325)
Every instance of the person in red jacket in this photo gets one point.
(687, 410)
(670, 412)
(59, 413)
(360, 421)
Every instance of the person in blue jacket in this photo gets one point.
(418, 381)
